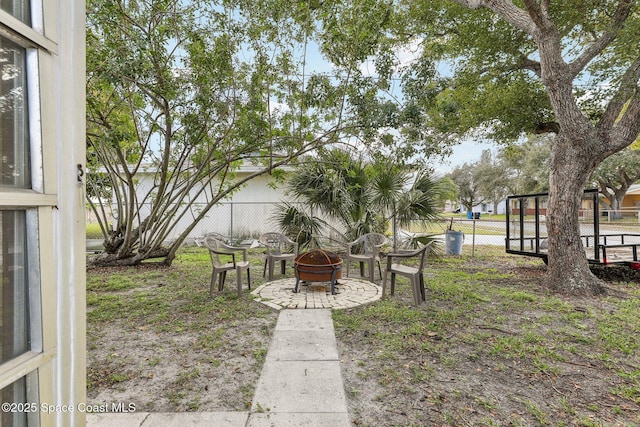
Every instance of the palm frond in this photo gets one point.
(298, 224)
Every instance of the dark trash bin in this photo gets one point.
(476, 215)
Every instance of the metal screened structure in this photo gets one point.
(609, 243)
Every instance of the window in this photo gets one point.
(14, 125)
(14, 311)
(18, 8)
(28, 340)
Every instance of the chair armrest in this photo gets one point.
(376, 249)
(235, 249)
(228, 253)
(404, 254)
(351, 244)
(293, 243)
(379, 245)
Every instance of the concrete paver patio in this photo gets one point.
(350, 293)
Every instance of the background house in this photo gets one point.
(245, 213)
(632, 198)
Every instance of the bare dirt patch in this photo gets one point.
(156, 340)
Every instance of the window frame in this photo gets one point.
(40, 203)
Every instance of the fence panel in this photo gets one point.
(487, 230)
(248, 220)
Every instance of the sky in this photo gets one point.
(465, 152)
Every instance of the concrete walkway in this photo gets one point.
(300, 384)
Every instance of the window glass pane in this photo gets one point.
(14, 126)
(14, 311)
(15, 393)
(18, 8)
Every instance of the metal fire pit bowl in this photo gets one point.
(318, 266)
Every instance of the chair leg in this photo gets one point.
(223, 277)
(283, 266)
(384, 283)
(422, 291)
(249, 278)
(239, 280)
(416, 290)
(393, 283)
(372, 270)
(271, 268)
(379, 269)
(214, 277)
(264, 271)
(361, 269)
(348, 266)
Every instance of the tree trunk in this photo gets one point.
(568, 270)
(616, 206)
(614, 196)
(114, 260)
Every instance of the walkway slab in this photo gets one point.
(186, 419)
(302, 345)
(294, 386)
(294, 419)
(301, 374)
(168, 419)
(116, 419)
(313, 320)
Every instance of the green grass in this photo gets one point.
(491, 343)
(467, 227)
(94, 231)
(488, 326)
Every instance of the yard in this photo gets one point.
(490, 347)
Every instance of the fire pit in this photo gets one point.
(318, 266)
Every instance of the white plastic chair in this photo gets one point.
(368, 247)
(414, 272)
(220, 252)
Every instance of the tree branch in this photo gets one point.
(507, 11)
(539, 15)
(624, 125)
(617, 22)
(531, 65)
(626, 130)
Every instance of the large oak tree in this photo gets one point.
(571, 68)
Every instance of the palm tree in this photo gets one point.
(354, 197)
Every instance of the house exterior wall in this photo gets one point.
(247, 212)
(631, 202)
(632, 199)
